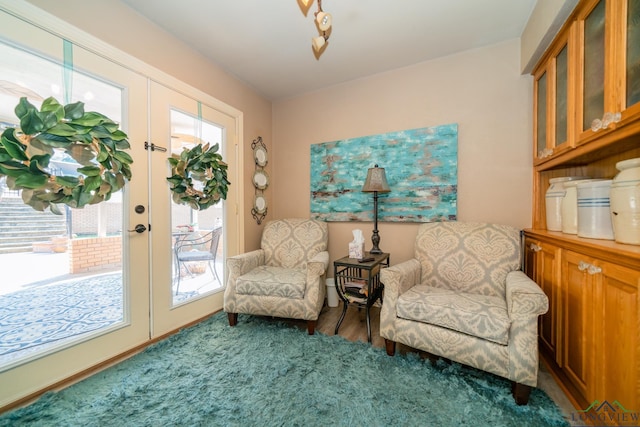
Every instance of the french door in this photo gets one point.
(184, 292)
(151, 291)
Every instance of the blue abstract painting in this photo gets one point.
(421, 166)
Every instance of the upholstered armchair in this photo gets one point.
(285, 277)
(464, 298)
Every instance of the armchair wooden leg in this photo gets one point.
(311, 326)
(520, 393)
(390, 347)
(233, 319)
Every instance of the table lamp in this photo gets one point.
(375, 183)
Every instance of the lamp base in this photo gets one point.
(375, 239)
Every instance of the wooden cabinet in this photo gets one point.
(589, 337)
(589, 77)
(608, 74)
(553, 127)
(542, 266)
(616, 333)
(577, 360)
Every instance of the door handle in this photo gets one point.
(140, 228)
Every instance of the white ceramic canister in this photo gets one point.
(625, 202)
(594, 213)
(553, 201)
(570, 206)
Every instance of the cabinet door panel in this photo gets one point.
(541, 116)
(594, 60)
(578, 322)
(549, 281)
(562, 96)
(617, 330)
(633, 53)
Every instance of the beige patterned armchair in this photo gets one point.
(285, 278)
(463, 297)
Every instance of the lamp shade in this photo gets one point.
(376, 181)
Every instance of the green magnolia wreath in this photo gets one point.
(91, 139)
(198, 177)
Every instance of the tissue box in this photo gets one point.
(356, 250)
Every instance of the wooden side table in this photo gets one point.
(358, 283)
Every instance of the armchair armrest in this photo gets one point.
(397, 280)
(400, 277)
(244, 263)
(317, 266)
(524, 296)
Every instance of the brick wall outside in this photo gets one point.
(84, 220)
(95, 254)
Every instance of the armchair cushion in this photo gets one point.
(273, 281)
(476, 315)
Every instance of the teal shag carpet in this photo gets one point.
(266, 373)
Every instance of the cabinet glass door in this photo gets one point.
(633, 53)
(594, 61)
(541, 116)
(562, 95)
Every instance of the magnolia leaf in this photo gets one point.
(105, 189)
(89, 170)
(31, 123)
(90, 119)
(15, 149)
(74, 111)
(62, 129)
(81, 197)
(49, 120)
(31, 181)
(81, 154)
(52, 105)
(120, 136)
(123, 157)
(67, 181)
(91, 183)
(36, 147)
(52, 140)
(23, 107)
(54, 208)
(103, 155)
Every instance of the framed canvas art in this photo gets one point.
(421, 167)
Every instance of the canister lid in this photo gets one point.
(627, 164)
(566, 178)
(595, 183)
(578, 181)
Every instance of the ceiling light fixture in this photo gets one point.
(323, 22)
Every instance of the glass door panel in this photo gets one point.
(594, 62)
(197, 234)
(633, 53)
(65, 300)
(562, 95)
(187, 266)
(541, 116)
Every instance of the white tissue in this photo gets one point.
(356, 247)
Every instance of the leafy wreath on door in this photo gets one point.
(90, 138)
(198, 177)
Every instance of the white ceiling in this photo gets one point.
(267, 43)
